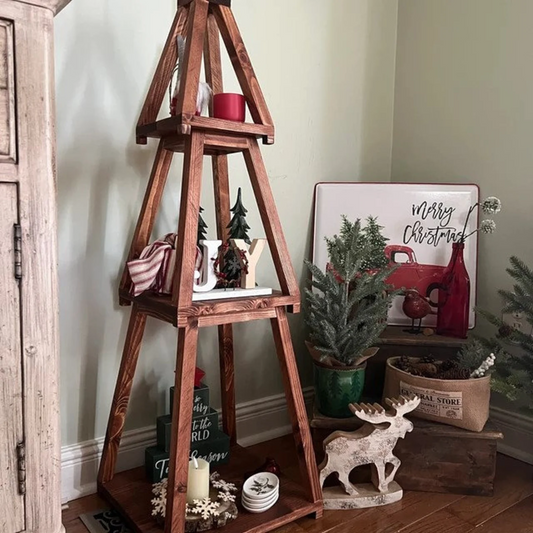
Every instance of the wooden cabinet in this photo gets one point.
(30, 460)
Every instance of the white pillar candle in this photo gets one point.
(198, 481)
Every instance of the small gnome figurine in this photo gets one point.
(416, 307)
(204, 90)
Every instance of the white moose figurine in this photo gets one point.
(371, 444)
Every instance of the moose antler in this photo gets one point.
(403, 404)
(375, 414)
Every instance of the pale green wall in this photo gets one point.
(327, 70)
(464, 113)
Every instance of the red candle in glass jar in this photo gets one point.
(229, 106)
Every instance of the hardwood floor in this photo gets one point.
(510, 510)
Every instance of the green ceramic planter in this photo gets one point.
(336, 388)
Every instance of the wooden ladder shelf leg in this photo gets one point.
(181, 424)
(213, 70)
(149, 210)
(121, 398)
(296, 405)
(270, 218)
(163, 74)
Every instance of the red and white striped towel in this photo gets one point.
(154, 270)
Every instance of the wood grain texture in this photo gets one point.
(397, 336)
(213, 70)
(53, 5)
(441, 463)
(222, 209)
(130, 494)
(174, 125)
(192, 62)
(215, 144)
(514, 484)
(149, 211)
(270, 219)
(212, 58)
(121, 397)
(439, 522)
(181, 428)
(351, 521)
(188, 221)
(212, 313)
(220, 2)
(34, 78)
(415, 507)
(242, 65)
(11, 421)
(163, 74)
(10, 174)
(227, 381)
(517, 519)
(8, 121)
(296, 405)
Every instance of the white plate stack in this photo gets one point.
(260, 492)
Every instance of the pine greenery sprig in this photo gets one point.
(472, 355)
(513, 374)
(347, 306)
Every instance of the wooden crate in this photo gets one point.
(435, 457)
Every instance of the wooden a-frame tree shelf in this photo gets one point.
(202, 22)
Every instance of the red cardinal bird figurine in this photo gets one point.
(416, 307)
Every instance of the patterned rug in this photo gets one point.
(104, 521)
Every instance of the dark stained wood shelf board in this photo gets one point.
(215, 145)
(130, 494)
(396, 335)
(173, 126)
(211, 313)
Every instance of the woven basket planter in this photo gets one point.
(463, 403)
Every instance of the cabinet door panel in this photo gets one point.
(11, 422)
(8, 136)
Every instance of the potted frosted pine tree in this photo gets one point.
(346, 312)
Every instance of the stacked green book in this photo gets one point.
(207, 440)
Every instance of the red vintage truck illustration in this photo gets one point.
(410, 274)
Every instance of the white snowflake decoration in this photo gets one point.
(226, 497)
(159, 503)
(220, 484)
(206, 508)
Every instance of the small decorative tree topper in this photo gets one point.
(238, 229)
(202, 228)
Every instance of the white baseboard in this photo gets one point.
(517, 431)
(257, 421)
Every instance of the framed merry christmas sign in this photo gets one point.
(420, 221)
